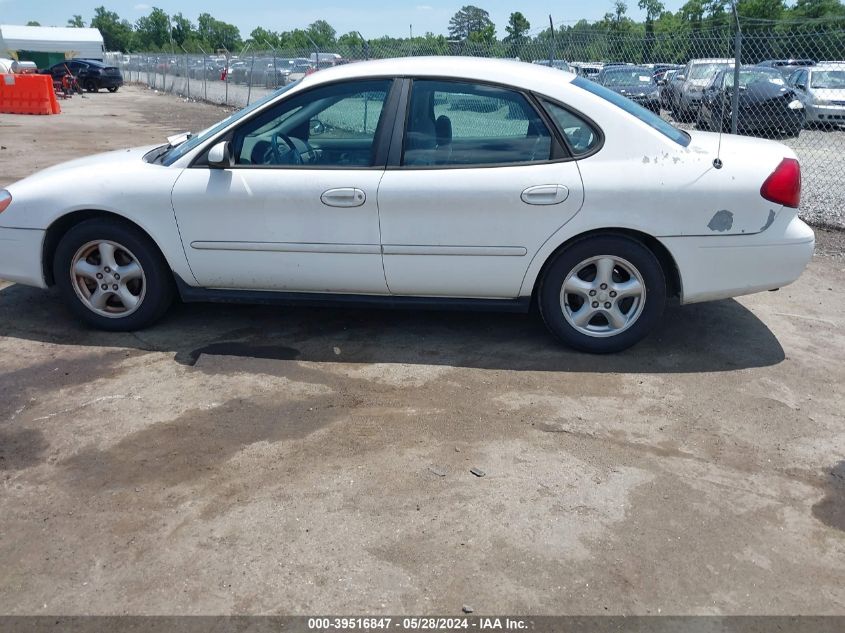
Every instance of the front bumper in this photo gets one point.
(753, 120)
(20, 256)
(825, 113)
(719, 267)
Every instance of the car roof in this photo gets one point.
(828, 66)
(504, 71)
(712, 60)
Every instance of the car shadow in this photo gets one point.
(717, 336)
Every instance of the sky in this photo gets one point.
(372, 18)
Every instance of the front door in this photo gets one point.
(480, 188)
(297, 210)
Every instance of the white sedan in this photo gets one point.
(423, 182)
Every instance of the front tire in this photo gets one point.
(603, 294)
(112, 89)
(112, 276)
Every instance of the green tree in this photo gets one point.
(517, 37)
(76, 22)
(815, 9)
(33, 23)
(262, 37)
(217, 34)
(117, 34)
(153, 31)
(322, 33)
(653, 9)
(181, 29)
(469, 19)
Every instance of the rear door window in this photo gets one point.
(459, 124)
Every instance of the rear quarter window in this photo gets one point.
(646, 116)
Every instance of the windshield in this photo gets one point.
(628, 77)
(175, 153)
(747, 77)
(644, 115)
(705, 71)
(833, 79)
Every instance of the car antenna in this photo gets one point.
(717, 162)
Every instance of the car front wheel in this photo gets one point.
(112, 276)
(603, 294)
(112, 89)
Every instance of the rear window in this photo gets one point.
(644, 115)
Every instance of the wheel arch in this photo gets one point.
(674, 286)
(61, 225)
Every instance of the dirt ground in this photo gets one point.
(239, 459)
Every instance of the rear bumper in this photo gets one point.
(110, 82)
(20, 256)
(713, 267)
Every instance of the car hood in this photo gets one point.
(108, 160)
(762, 91)
(634, 89)
(830, 94)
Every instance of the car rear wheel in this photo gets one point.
(90, 86)
(603, 294)
(112, 276)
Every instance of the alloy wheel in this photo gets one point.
(603, 296)
(108, 278)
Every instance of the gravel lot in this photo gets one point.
(243, 459)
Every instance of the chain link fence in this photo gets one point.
(791, 83)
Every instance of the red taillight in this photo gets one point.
(784, 185)
(5, 199)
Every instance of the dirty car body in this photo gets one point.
(425, 182)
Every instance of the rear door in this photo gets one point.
(478, 182)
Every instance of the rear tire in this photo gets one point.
(90, 86)
(112, 276)
(603, 294)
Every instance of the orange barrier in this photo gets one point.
(28, 94)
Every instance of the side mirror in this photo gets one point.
(801, 86)
(680, 77)
(661, 82)
(219, 156)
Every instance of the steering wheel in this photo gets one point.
(281, 157)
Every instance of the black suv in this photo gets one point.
(91, 74)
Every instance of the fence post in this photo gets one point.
(735, 95)
(551, 42)
(226, 79)
(251, 73)
(187, 73)
(204, 73)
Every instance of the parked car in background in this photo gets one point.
(299, 69)
(587, 69)
(5, 65)
(634, 82)
(767, 106)
(787, 66)
(91, 74)
(664, 80)
(555, 63)
(362, 185)
(821, 89)
(690, 83)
